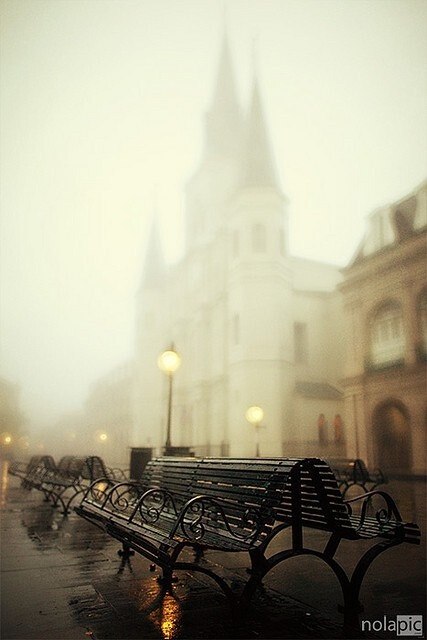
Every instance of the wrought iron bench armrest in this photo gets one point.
(120, 475)
(383, 516)
(95, 489)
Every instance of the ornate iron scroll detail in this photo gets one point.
(97, 491)
(203, 513)
(123, 497)
(120, 475)
(384, 515)
(152, 504)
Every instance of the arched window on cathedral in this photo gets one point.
(386, 334)
(259, 239)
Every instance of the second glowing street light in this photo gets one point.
(255, 415)
(169, 361)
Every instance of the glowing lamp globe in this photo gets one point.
(169, 361)
(254, 415)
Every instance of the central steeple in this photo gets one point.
(258, 167)
(225, 95)
(224, 119)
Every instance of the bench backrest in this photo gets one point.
(83, 467)
(33, 462)
(48, 463)
(64, 465)
(240, 495)
(38, 467)
(93, 468)
(75, 467)
(173, 474)
(310, 497)
(271, 486)
(298, 491)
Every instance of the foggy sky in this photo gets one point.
(102, 106)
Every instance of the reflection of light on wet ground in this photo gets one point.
(171, 617)
(162, 609)
(4, 482)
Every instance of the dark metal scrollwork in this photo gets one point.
(384, 515)
(203, 512)
(152, 503)
(123, 497)
(98, 491)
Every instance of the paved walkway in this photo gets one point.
(61, 578)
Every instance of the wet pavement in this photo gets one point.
(61, 578)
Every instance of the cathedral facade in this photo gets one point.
(253, 324)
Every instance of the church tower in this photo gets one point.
(251, 323)
(215, 179)
(259, 299)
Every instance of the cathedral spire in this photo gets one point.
(258, 162)
(155, 266)
(225, 95)
(223, 119)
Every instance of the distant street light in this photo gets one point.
(103, 437)
(7, 440)
(255, 415)
(169, 361)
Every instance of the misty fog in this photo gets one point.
(102, 109)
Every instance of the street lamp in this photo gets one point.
(169, 361)
(254, 415)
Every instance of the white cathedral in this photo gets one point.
(253, 324)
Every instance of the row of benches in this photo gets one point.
(242, 505)
(355, 473)
(74, 472)
(65, 482)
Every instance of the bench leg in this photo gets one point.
(258, 562)
(350, 613)
(125, 551)
(363, 566)
(56, 499)
(167, 577)
(67, 506)
(190, 566)
(198, 553)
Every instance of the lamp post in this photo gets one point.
(169, 361)
(254, 415)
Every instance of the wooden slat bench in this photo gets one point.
(182, 502)
(71, 478)
(174, 476)
(241, 505)
(36, 467)
(350, 473)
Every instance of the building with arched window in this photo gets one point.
(385, 310)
